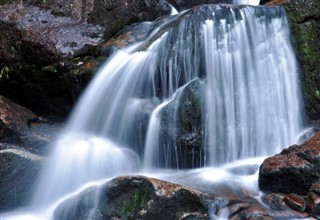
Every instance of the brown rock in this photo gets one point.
(44, 38)
(138, 197)
(294, 170)
(274, 201)
(21, 128)
(313, 206)
(295, 202)
(14, 119)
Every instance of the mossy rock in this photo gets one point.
(304, 19)
(136, 197)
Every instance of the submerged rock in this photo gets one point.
(18, 171)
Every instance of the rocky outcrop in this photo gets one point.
(18, 171)
(48, 49)
(42, 38)
(304, 18)
(14, 119)
(21, 128)
(137, 197)
(185, 134)
(296, 172)
(140, 197)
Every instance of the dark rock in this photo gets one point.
(313, 206)
(184, 135)
(274, 201)
(19, 127)
(295, 202)
(14, 119)
(113, 15)
(44, 38)
(304, 19)
(294, 170)
(137, 197)
(18, 170)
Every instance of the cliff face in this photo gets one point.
(304, 19)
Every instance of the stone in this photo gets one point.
(187, 128)
(137, 197)
(18, 171)
(274, 201)
(295, 202)
(44, 38)
(304, 20)
(21, 128)
(294, 170)
(313, 206)
(14, 119)
(112, 14)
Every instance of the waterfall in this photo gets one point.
(214, 84)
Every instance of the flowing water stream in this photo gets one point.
(214, 85)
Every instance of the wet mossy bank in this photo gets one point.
(304, 20)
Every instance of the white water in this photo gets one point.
(246, 2)
(251, 106)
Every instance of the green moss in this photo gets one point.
(305, 27)
(138, 200)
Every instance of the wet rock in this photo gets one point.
(304, 19)
(295, 202)
(294, 170)
(14, 119)
(274, 201)
(113, 14)
(313, 200)
(19, 127)
(184, 135)
(44, 38)
(18, 171)
(313, 206)
(137, 197)
(127, 36)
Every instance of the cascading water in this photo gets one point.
(213, 85)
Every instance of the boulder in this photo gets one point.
(18, 171)
(294, 170)
(21, 128)
(42, 38)
(112, 14)
(137, 197)
(183, 136)
(14, 119)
